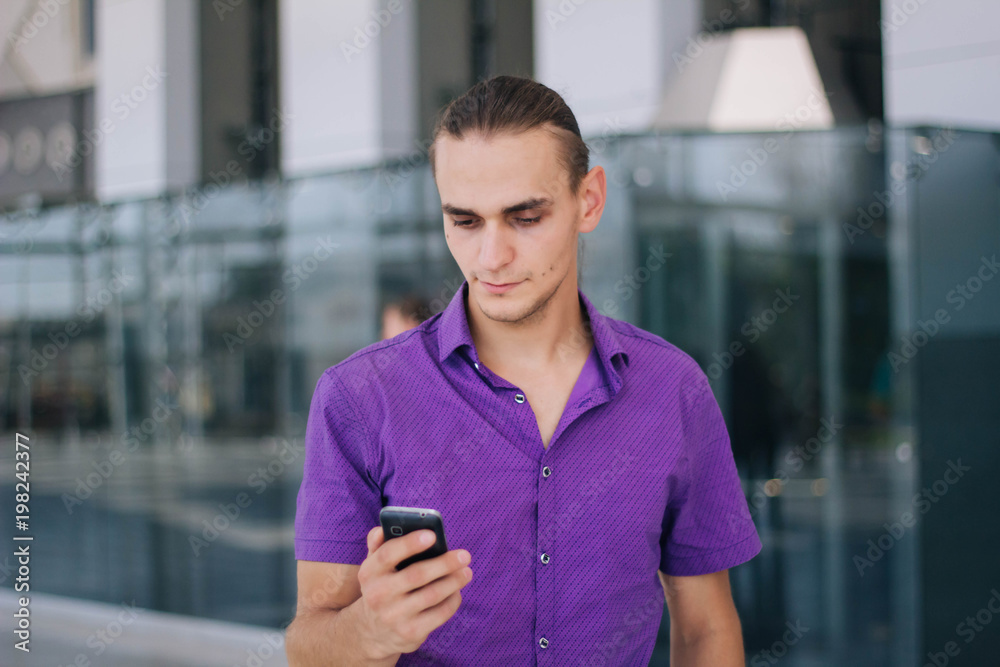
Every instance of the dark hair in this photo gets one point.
(412, 306)
(515, 104)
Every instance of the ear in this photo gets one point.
(593, 195)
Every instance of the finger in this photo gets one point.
(424, 572)
(431, 595)
(398, 549)
(439, 614)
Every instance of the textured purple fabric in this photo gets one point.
(590, 377)
(565, 541)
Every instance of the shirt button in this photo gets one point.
(545, 558)
(546, 471)
(477, 365)
(519, 398)
(543, 642)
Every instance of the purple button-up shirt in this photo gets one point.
(566, 541)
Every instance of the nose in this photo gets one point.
(496, 249)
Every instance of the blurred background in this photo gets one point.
(207, 204)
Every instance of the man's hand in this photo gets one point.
(399, 609)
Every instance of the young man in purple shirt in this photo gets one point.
(581, 464)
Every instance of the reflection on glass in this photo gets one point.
(200, 369)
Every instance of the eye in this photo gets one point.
(525, 221)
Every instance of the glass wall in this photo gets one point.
(163, 354)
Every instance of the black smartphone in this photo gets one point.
(398, 521)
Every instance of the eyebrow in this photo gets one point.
(527, 204)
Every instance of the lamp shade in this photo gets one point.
(750, 79)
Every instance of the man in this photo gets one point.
(581, 464)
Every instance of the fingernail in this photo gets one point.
(426, 538)
(464, 557)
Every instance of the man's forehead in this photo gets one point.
(506, 169)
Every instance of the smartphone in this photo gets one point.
(398, 521)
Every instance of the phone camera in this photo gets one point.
(396, 530)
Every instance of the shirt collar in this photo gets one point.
(453, 333)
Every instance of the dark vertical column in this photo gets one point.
(460, 42)
(239, 89)
(954, 347)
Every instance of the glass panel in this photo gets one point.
(198, 368)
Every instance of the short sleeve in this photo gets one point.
(338, 501)
(707, 525)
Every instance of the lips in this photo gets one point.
(499, 289)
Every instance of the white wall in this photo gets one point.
(353, 107)
(610, 59)
(146, 98)
(942, 63)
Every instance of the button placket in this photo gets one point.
(544, 575)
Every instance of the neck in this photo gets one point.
(557, 334)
